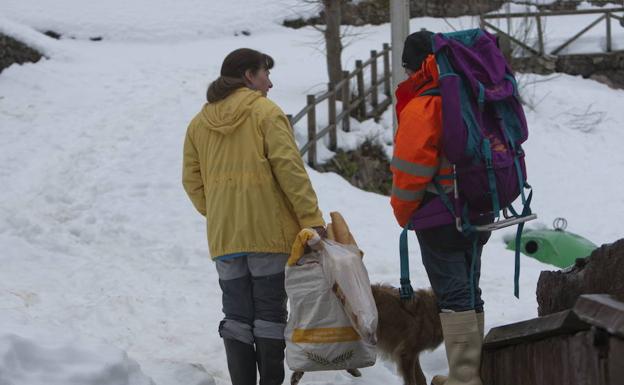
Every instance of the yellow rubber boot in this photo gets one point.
(463, 339)
(481, 323)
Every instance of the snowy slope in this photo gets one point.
(147, 20)
(104, 260)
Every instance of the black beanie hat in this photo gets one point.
(416, 49)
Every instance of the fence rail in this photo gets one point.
(606, 15)
(363, 103)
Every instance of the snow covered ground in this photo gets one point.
(105, 277)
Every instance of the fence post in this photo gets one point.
(346, 101)
(312, 130)
(540, 35)
(331, 107)
(360, 88)
(505, 46)
(374, 100)
(608, 20)
(386, 65)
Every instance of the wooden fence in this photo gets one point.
(606, 14)
(362, 102)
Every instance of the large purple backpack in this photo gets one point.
(483, 129)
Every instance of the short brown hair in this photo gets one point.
(233, 69)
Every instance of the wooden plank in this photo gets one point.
(301, 114)
(603, 311)
(521, 44)
(615, 364)
(552, 13)
(608, 18)
(540, 35)
(360, 88)
(534, 329)
(374, 98)
(380, 108)
(619, 18)
(386, 65)
(346, 100)
(319, 135)
(567, 43)
(331, 110)
(311, 99)
(583, 346)
(558, 360)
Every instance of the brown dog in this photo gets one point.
(404, 330)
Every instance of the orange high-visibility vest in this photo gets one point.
(417, 156)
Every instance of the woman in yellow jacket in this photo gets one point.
(243, 172)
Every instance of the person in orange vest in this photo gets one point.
(446, 253)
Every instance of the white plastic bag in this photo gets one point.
(324, 332)
(351, 285)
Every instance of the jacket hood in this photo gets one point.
(226, 115)
(422, 80)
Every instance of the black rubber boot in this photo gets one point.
(241, 360)
(270, 357)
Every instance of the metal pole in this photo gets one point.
(399, 20)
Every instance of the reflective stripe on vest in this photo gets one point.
(411, 168)
(408, 195)
(446, 168)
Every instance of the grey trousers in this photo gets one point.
(449, 275)
(254, 298)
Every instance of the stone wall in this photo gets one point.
(378, 11)
(607, 68)
(452, 8)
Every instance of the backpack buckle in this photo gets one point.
(406, 292)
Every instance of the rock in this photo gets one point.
(607, 68)
(613, 79)
(600, 273)
(13, 51)
(452, 8)
(52, 34)
(367, 168)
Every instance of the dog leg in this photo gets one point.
(295, 378)
(406, 365)
(418, 374)
(354, 372)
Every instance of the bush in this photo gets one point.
(367, 167)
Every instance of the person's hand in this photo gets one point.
(321, 230)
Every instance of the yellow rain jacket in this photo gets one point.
(243, 172)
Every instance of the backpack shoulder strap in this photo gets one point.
(406, 292)
(431, 92)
